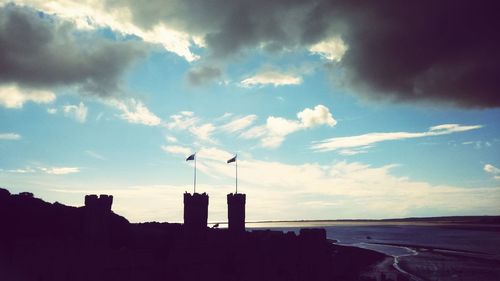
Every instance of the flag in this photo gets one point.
(191, 157)
(232, 159)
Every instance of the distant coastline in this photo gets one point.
(471, 219)
(476, 220)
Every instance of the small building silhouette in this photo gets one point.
(96, 220)
(195, 212)
(99, 204)
(236, 212)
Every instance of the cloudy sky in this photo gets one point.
(336, 110)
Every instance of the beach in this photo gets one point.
(444, 265)
(354, 263)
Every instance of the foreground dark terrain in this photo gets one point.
(44, 241)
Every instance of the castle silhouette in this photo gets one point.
(40, 241)
(196, 212)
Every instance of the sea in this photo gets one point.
(406, 240)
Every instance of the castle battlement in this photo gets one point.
(102, 203)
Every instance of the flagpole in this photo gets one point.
(236, 173)
(194, 173)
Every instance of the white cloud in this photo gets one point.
(182, 121)
(135, 112)
(274, 132)
(320, 115)
(272, 141)
(187, 113)
(172, 40)
(348, 189)
(213, 153)
(47, 170)
(372, 138)
(224, 116)
(10, 136)
(490, 169)
(52, 110)
(93, 14)
(332, 49)
(239, 123)
(78, 112)
(22, 171)
(176, 149)
(12, 96)
(171, 139)
(281, 126)
(451, 128)
(350, 152)
(277, 129)
(281, 191)
(60, 170)
(254, 132)
(203, 132)
(271, 78)
(186, 120)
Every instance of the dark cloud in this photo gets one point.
(424, 51)
(228, 27)
(419, 51)
(203, 76)
(40, 51)
(411, 51)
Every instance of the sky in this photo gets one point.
(335, 109)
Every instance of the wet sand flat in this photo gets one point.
(444, 265)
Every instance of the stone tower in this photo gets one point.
(236, 212)
(195, 212)
(97, 216)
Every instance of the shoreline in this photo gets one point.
(413, 275)
(474, 220)
(369, 264)
(437, 263)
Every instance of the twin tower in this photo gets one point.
(196, 212)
